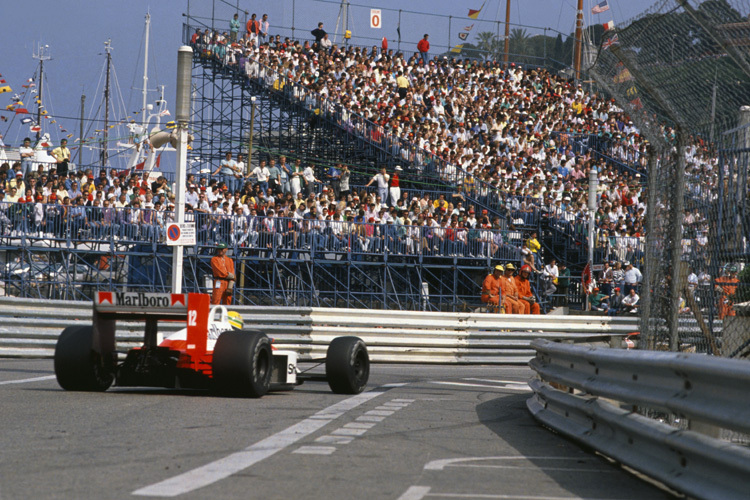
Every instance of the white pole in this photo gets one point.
(184, 76)
(145, 72)
(593, 182)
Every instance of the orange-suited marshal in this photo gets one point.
(223, 271)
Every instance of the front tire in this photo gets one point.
(347, 365)
(242, 363)
(77, 366)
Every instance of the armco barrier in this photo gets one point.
(29, 328)
(589, 395)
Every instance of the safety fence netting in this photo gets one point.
(681, 73)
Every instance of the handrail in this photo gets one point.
(577, 382)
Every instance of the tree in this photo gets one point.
(488, 43)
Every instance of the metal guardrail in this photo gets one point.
(29, 328)
(569, 398)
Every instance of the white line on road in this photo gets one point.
(346, 431)
(23, 381)
(415, 493)
(505, 388)
(455, 462)
(420, 492)
(241, 460)
(370, 418)
(328, 439)
(315, 450)
(516, 382)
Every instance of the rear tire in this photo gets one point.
(347, 365)
(77, 366)
(242, 363)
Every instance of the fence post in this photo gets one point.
(676, 215)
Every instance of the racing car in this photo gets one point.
(213, 352)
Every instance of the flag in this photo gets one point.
(22, 111)
(5, 88)
(165, 113)
(609, 26)
(473, 14)
(26, 120)
(35, 128)
(3, 118)
(140, 165)
(69, 136)
(457, 49)
(600, 7)
(2, 80)
(158, 161)
(468, 28)
(586, 280)
(463, 36)
(398, 30)
(611, 41)
(636, 103)
(623, 76)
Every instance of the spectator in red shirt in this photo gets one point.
(424, 48)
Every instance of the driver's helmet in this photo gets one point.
(235, 319)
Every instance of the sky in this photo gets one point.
(75, 31)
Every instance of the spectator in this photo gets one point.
(598, 301)
(632, 277)
(234, 28)
(630, 302)
(424, 48)
(511, 301)
(319, 33)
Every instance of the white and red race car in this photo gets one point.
(212, 352)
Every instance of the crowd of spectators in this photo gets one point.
(502, 134)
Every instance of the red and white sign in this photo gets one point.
(181, 234)
(376, 20)
(138, 301)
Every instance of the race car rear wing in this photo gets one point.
(192, 308)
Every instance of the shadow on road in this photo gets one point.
(510, 420)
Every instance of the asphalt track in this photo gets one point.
(419, 432)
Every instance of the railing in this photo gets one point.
(574, 397)
(29, 328)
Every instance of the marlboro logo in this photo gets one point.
(141, 300)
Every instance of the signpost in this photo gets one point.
(376, 20)
(181, 233)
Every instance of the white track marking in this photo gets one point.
(315, 450)
(420, 492)
(360, 425)
(345, 431)
(388, 408)
(400, 400)
(415, 493)
(513, 382)
(370, 418)
(459, 462)
(328, 439)
(241, 460)
(23, 381)
(380, 413)
(465, 384)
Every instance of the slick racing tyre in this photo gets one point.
(242, 363)
(347, 365)
(77, 366)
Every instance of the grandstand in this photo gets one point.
(486, 154)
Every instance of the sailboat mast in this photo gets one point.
(579, 40)
(506, 46)
(145, 71)
(42, 56)
(105, 144)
